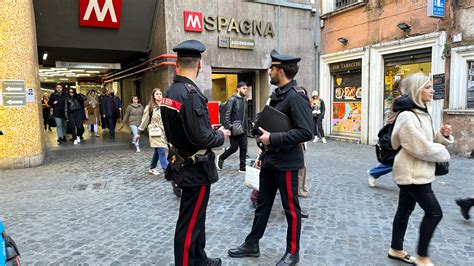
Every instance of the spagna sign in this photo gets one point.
(194, 21)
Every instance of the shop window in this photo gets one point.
(346, 103)
(470, 85)
(396, 72)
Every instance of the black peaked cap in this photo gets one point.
(282, 59)
(190, 48)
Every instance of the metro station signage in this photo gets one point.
(100, 13)
(195, 21)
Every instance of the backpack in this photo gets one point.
(9, 254)
(383, 149)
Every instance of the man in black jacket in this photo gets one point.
(110, 109)
(57, 101)
(236, 116)
(188, 130)
(280, 161)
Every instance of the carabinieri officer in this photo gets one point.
(281, 160)
(188, 130)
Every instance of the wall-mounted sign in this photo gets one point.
(435, 8)
(13, 93)
(438, 87)
(195, 21)
(100, 13)
(223, 42)
(241, 43)
(88, 65)
(344, 66)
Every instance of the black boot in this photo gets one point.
(214, 262)
(465, 205)
(245, 250)
(289, 259)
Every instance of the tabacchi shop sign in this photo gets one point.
(100, 13)
(194, 21)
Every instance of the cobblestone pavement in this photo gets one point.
(106, 209)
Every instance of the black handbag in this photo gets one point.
(236, 128)
(51, 122)
(442, 168)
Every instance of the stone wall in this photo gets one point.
(463, 132)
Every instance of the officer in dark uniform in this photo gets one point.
(280, 161)
(191, 137)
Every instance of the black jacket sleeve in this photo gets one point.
(323, 109)
(196, 123)
(228, 112)
(301, 120)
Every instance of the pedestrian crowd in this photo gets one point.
(182, 139)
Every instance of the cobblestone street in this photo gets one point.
(105, 208)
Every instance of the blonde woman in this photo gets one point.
(151, 120)
(414, 165)
(318, 110)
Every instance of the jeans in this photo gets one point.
(380, 170)
(75, 120)
(409, 196)
(235, 143)
(60, 127)
(160, 153)
(111, 125)
(134, 133)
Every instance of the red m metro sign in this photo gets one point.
(100, 13)
(192, 21)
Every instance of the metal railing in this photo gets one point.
(343, 3)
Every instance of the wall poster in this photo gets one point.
(346, 103)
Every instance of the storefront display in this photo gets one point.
(346, 102)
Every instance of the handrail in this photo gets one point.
(141, 71)
(166, 56)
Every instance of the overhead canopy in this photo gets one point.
(60, 35)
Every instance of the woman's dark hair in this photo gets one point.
(134, 97)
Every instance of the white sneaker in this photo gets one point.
(154, 171)
(78, 140)
(138, 149)
(97, 134)
(371, 180)
(315, 139)
(75, 142)
(324, 140)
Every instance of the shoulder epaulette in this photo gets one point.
(190, 87)
(299, 90)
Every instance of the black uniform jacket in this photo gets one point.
(284, 151)
(187, 127)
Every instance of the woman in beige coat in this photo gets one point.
(93, 113)
(133, 115)
(156, 131)
(414, 165)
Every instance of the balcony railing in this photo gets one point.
(344, 3)
(329, 6)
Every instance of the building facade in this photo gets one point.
(459, 110)
(239, 36)
(366, 47)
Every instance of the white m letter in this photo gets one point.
(100, 14)
(193, 20)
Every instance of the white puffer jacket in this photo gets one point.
(415, 162)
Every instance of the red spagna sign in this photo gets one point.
(193, 21)
(100, 13)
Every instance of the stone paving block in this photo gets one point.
(130, 217)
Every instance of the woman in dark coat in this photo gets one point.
(46, 111)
